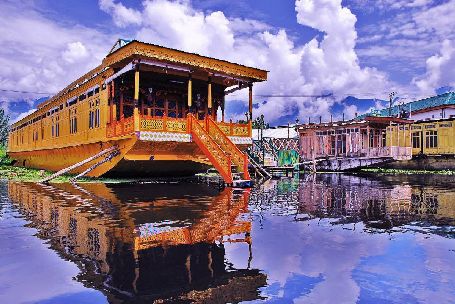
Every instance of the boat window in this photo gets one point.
(431, 140)
(73, 121)
(416, 140)
(71, 102)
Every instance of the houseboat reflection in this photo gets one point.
(378, 203)
(150, 244)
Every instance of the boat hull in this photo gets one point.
(137, 158)
(60, 158)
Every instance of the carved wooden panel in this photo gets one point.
(240, 130)
(176, 126)
(152, 125)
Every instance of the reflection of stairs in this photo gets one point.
(219, 149)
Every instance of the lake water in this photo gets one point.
(317, 239)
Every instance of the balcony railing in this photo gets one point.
(126, 126)
(163, 124)
(395, 152)
(120, 128)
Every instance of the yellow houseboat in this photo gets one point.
(146, 109)
(430, 137)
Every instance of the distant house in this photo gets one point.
(435, 107)
(366, 138)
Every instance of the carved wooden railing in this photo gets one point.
(126, 126)
(163, 124)
(239, 158)
(235, 129)
(122, 127)
(180, 125)
(219, 159)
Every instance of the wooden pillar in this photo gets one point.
(410, 136)
(250, 100)
(391, 134)
(121, 105)
(222, 109)
(336, 144)
(209, 94)
(190, 92)
(110, 92)
(368, 137)
(136, 85)
(136, 116)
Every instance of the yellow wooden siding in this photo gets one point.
(445, 137)
(83, 135)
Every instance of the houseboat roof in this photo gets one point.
(126, 51)
(356, 123)
(426, 104)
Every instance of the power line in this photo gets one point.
(26, 92)
(296, 96)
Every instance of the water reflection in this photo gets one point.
(348, 239)
(378, 203)
(318, 239)
(162, 243)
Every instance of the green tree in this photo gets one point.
(259, 123)
(4, 121)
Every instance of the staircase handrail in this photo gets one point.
(239, 158)
(216, 155)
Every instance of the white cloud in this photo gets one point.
(438, 20)
(121, 15)
(41, 55)
(75, 51)
(310, 69)
(439, 69)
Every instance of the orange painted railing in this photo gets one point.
(239, 158)
(219, 158)
(163, 124)
(126, 126)
(122, 127)
(235, 129)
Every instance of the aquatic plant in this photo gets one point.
(403, 171)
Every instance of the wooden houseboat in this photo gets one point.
(374, 140)
(426, 137)
(369, 137)
(146, 109)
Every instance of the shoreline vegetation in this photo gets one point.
(9, 172)
(405, 172)
(22, 174)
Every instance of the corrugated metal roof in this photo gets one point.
(422, 104)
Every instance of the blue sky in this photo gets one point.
(360, 48)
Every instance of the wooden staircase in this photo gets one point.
(219, 149)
